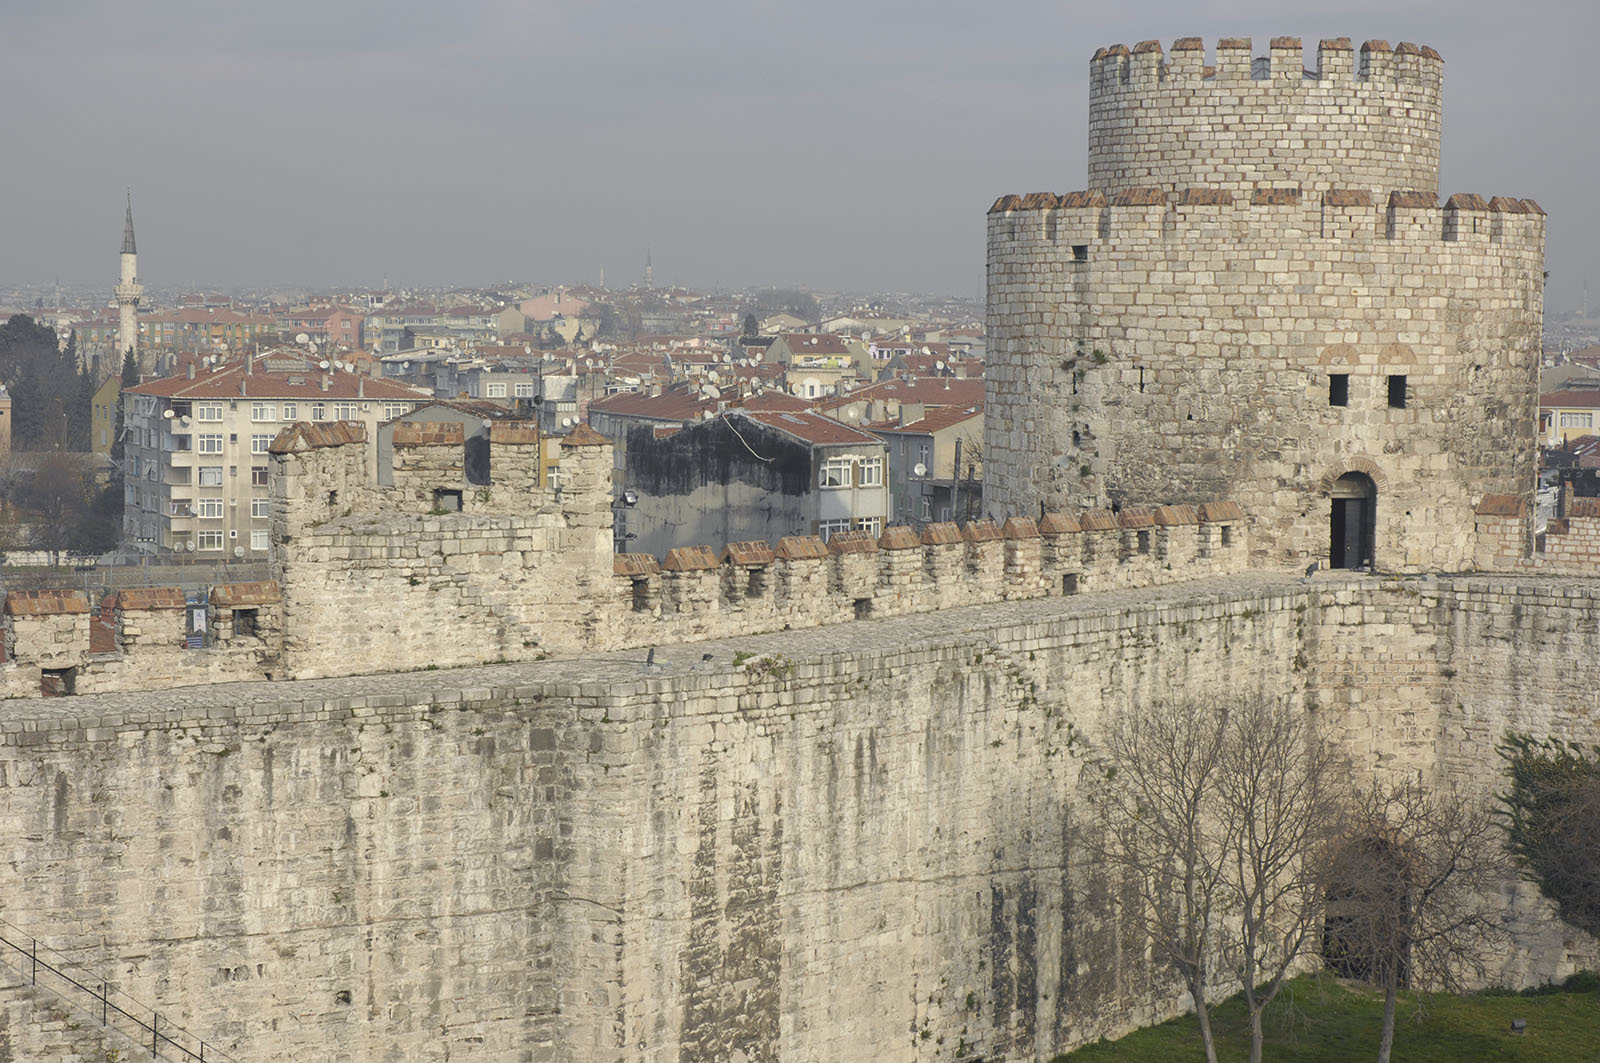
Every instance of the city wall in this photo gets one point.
(853, 842)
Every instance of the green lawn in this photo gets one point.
(1318, 1020)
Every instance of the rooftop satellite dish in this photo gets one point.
(322, 364)
(711, 375)
(710, 391)
(337, 364)
(238, 551)
(927, 350)
(939, 366)
(405, 365)
(919, 469)
(302, 339)
(167, 413)
(566, 422)
(853, 414)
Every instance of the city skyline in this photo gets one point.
(843, 148)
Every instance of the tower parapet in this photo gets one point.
(1244, 122)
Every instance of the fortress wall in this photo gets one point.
(371, 873)
(813, 844)
(1150, 348)
(1368, 123)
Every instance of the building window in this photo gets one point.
(263, 411)
(319, 411)
(828, 528)
(496, 391)
(391, 410)
(927, 508)
(246, 622)
(259, 539)
(1080, 252)
(210, 476)
(1577, 420)
(210, 508)
(870, 524)
(835, 473)
(181, 444)
(290, 411)
(1397, 392)
(524, 391)
(210, 444)
(210, 540)
(1338, 389)
(258, 476)
(871, 472)
(260, 507)
(924, 455)
(208, 411)
(260, 443)
(344, 411)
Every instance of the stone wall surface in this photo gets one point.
(853, 842)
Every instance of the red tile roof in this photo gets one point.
(811, 427)
(230, 381)
(935, 420)
(928, 390)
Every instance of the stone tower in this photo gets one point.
(1260, 297)
(128, 292)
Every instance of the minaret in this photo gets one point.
(649, 272)
(128, 292)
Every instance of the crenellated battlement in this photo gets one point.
(1367, 119)
(1117, 69)
(380, 578)
(1137, 217)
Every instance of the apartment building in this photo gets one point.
(195, 451)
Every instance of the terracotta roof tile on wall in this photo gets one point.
(428, 433)
(1286, 42)
(584, 436)
(1136, 518)
(943, 533)
(899, 537)
(246, 595)
(1004, 203)
(690, 559)
(514, 433)
(1413, 199)
(1020, 528)
(1058, 524)
(1147, 46)
(1139, 197)
(151, 598)
(1172, 516)
(1039, 201)
(1089, 198)
(981, 531)
(1376, 46)
(1204, 197)
(1501, 506)
(306, 436)
(801, 547)
(855, 541)
(1466, 201)
(634, 565)
(1585, 507)
(1275, 197)
(752, 553)
(46, 603)
(1218, 512)
(1347, 197)
(1335, 44)
(1188, 44)
(1098, 520)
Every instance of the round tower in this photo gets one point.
(128, 291)
(1260, 297)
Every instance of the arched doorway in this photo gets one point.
(1354, 521)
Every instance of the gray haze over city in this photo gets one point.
(829, 144)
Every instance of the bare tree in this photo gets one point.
(1281, 793)
(1161, 835)
(1412, 893)
(1220, 814)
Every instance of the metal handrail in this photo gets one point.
(108, 1001)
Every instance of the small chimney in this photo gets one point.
(191, 370)
(324, 381)
(361, 387)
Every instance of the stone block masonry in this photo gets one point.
(814, 844)
(1260, 294)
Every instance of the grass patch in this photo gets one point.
(1319, 1020)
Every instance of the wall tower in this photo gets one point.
(128, 292)
(1260, 297)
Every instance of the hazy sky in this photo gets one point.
(827, 143)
